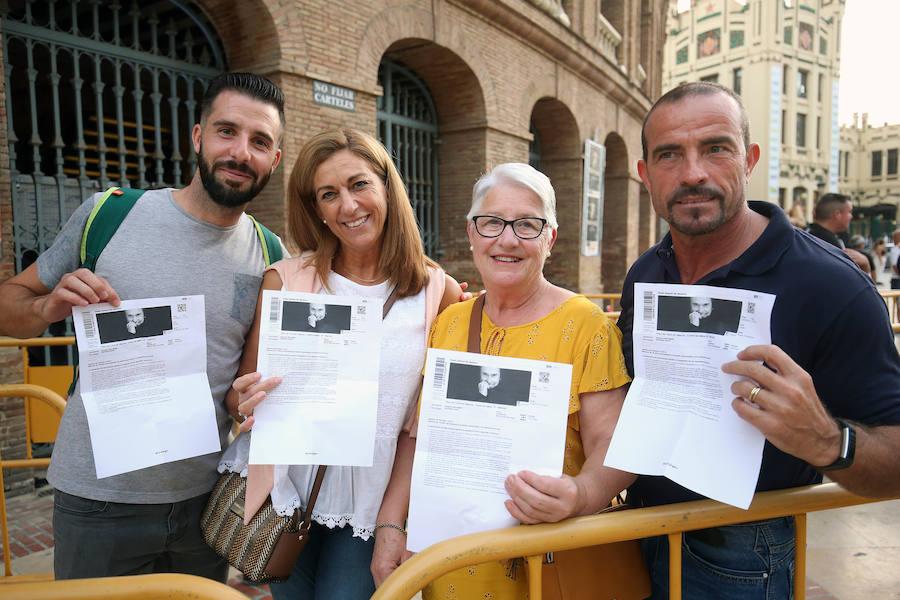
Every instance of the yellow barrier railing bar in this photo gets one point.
(54, 400)
(9, 342)
(672, 520)
(172, 586)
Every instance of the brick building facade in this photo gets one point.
(508, 80)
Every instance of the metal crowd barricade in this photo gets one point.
(171, 586)
(55, 401)
(41, 421)
(532, 541)
(890, 298)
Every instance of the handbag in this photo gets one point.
(615, 571)
(266, 548)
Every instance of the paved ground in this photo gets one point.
(853, 553)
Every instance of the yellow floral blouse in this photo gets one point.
(575, 332)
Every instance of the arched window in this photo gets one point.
(534, 148)
(407, 126)
(98, 94)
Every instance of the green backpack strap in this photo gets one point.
(271, 245)
(108, 213)
(105, 218)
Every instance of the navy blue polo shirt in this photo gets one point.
(828, 317)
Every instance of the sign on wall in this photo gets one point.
(835, 138)
(327, 94)
(774, 167)
(592, 198)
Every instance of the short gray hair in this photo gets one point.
(521, 175)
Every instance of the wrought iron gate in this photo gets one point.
(98, 94)
(407, 126)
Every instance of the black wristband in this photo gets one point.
(848, 448)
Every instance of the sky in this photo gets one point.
(870, 47)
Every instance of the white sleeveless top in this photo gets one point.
(352, 495)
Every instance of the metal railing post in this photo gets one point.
(674, 566)
(55, 401)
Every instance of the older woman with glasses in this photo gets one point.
(512, 228)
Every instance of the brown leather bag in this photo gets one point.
(266, 548)
(607, 572)
(614, 571)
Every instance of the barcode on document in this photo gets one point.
(88, 325)
(439, 370)
(181, 307)
(273, 311)
(648, 306)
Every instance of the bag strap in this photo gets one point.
(271, 246)
(105, 218)
(320, 473)
(310, 504)
(102, 223)
(474, 344)
(394, 295)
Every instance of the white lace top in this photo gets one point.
(352, 495)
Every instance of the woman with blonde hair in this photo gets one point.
(351, 219)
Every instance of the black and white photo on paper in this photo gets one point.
(133, 323)
(698, 314)
(315, 317)
(488, 384)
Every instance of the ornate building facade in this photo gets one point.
(783, 58)
(868, 173)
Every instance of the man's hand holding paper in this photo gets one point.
(678, 419)
(788, 410)
(145, 389)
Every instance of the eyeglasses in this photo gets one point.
(525, 228)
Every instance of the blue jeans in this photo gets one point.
(95, 538)
(750, 561)
(334, 565)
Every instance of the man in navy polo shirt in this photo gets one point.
(834, 373)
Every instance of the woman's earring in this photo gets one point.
(324, 222)
(471, 248)
(548, 254)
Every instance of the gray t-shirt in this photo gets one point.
(160, 250)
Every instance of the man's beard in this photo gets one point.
(223, 194)
(693, 225)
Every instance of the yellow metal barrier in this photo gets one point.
(532, 541)
(158, 586)
(56, 402)
(41, 421)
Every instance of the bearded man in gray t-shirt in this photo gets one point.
(196, 240)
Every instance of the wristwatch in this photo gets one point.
(848, 448)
